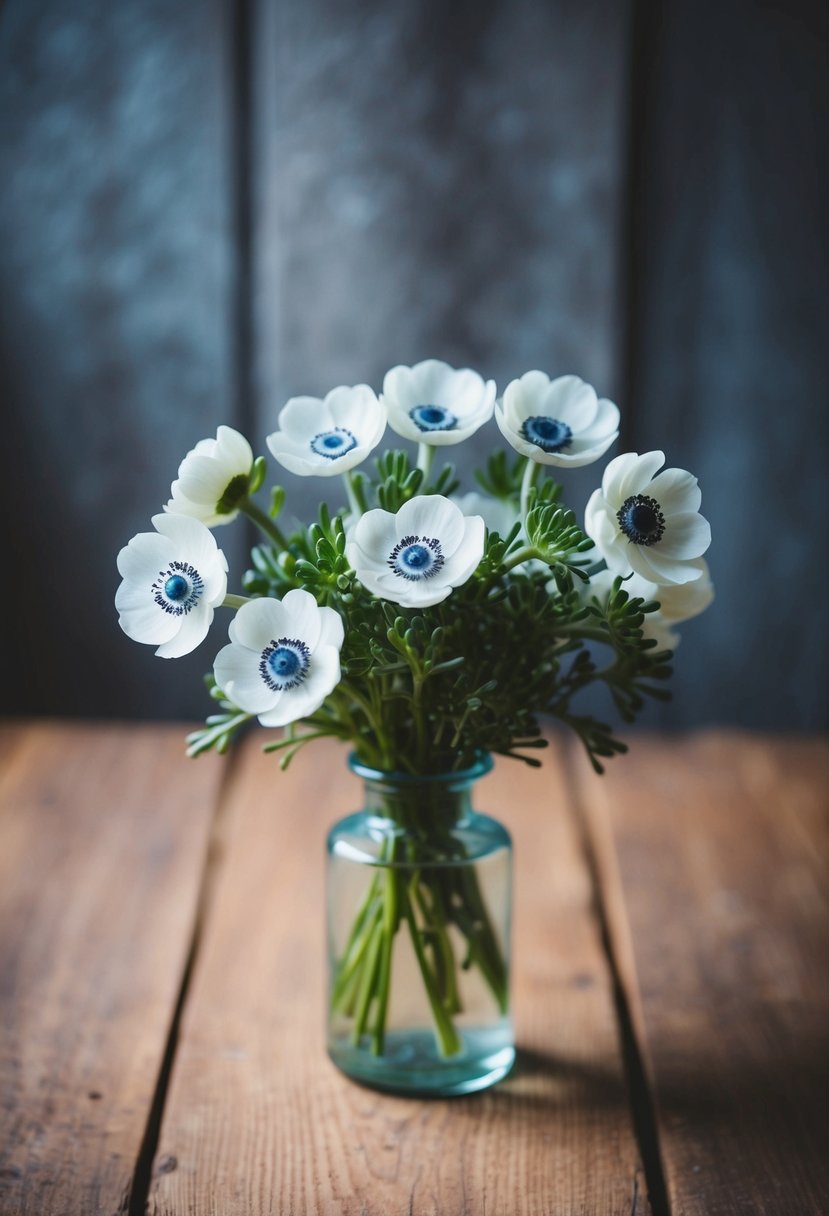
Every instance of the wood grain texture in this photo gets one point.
(713, 853)
(104, 832)
(259, 1121)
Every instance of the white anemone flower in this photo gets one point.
(213, 478)
(678, 602)
(557, 422)
(283, 659)
(646, 524)
(436, 404)
(173, 579)
(318, 438)
(416, 557)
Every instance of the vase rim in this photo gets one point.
(482, 765)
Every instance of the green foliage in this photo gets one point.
(501, 478)
(426, 689)
(257, 474)
(219, 729)
(553, 530)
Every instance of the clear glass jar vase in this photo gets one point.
(419, 904)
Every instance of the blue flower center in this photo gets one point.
(416, 557)
(549, 434)
(333, 444)
(433, 418)
(641, 520)
(284, 663)
(178, 589)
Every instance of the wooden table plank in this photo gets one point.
(104, 831)
(713, 852)
(258, 1121)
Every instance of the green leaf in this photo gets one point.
(277, 501)
(257, 474)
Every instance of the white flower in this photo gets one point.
(435, 404)
(678, 602)
(320, 438)
(283, 659)
(173, 579)
(498, 514)
(416, 557)
(213, 478)
(558, 422)
(652, 527)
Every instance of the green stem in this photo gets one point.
(449, 1042)
(374, 719)
(368, 985)
(354, 506)
(472, 918)
(358, 940)
(201, 741)
(234, 601)
(435, 920)
(531, 471)
(425, 456)
(524, 554)
(298, 740)
(351, 976)
(391, 920)
(263, 522)
(430, 901)
(417, 710)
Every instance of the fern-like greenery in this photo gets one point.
(426, 690)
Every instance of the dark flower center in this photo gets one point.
(433, 418)
(416, 557)
(549, 434)
(641, 519)
(178, 588)
(332, 444)
(284, 663)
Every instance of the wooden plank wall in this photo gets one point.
(116, 343)
(729, 313)
(209, 207)
(435, 179)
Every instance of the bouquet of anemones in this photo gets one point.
(424, 628)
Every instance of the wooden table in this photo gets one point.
(161, 979)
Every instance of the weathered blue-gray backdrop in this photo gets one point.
(209, 206)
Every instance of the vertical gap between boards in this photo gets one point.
(137, 1200)
(640, 1096)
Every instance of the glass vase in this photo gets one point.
(419, 904)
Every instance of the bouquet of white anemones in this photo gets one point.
(423, 628)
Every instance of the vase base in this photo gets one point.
(411, 1064)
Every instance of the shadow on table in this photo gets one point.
(547, 1081)
(779, 1104)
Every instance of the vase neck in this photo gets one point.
(421, 803)
(412, 803)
